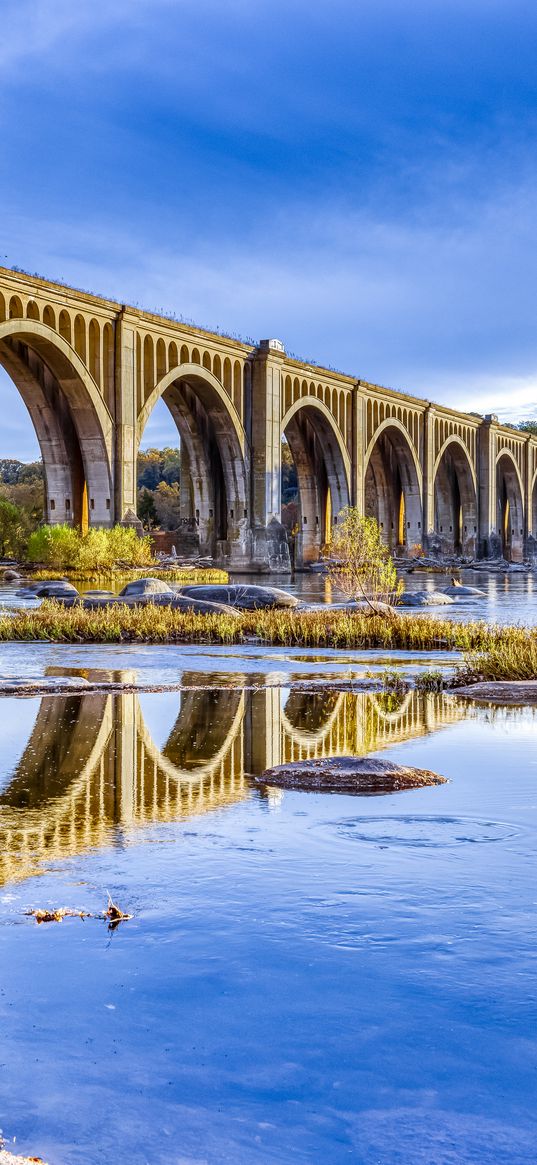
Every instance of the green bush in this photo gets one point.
(13, 531)
(65, 548)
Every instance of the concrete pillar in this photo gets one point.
(428, 474)
(359, 438)
(126, 418)
(270, 550)
(528, 499)
(489, 539)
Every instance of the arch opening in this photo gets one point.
(509, 510)
(213, 503)
(455, 504)
(322, 485)
(392, 490)
(68, 422)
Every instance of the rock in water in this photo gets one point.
(425, 599)
(145, 586)
(363, 776)
(462, 592)
(57, 590)
(244, 597)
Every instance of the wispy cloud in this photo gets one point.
(358, 180)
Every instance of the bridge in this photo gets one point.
(91, 772)
(91, 371)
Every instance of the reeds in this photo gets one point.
(282, 628)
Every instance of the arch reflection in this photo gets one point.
(91, 769)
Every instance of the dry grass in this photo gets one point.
(510, 656)
(197, 576)
(290, 628)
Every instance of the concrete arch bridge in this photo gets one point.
(91, 371)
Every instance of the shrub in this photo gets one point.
(65, 548)
(12, 528)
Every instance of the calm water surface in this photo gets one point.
(509, 598)
(306, 978)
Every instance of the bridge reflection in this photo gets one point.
(91, 772)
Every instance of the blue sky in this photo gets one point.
(357, 178)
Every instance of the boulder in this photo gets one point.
(425, 599)
(12, 576)
(146, 586)
(363, 776)
(56, 590)
(244, 597)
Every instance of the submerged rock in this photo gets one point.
(176, 602)
(244, 597)
(506, 692)
(348, 774)
(458, 591)
(359, 607)
(99, 595)
(425, 599)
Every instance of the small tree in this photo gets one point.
(147, 512)
(360, 564)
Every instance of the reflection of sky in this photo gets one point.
(357, 179)
(160, 711)
(17, 719)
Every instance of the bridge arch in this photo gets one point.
(323, 470)
(509, 507)
(214, 473)
(393, 493)
(455, 498)
(73, 425)
(207, 725)
(307, 717)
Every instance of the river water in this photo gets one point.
(508, 598)
(306, 977)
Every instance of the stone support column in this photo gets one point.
(489, 539)
(428, 519)
(270, 550)
(528, 507)
(126, 435)
(359, 437)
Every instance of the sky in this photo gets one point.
(355, 177)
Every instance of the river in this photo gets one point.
(305, 977)
(508, 598)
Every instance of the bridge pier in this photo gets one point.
(269, 546)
